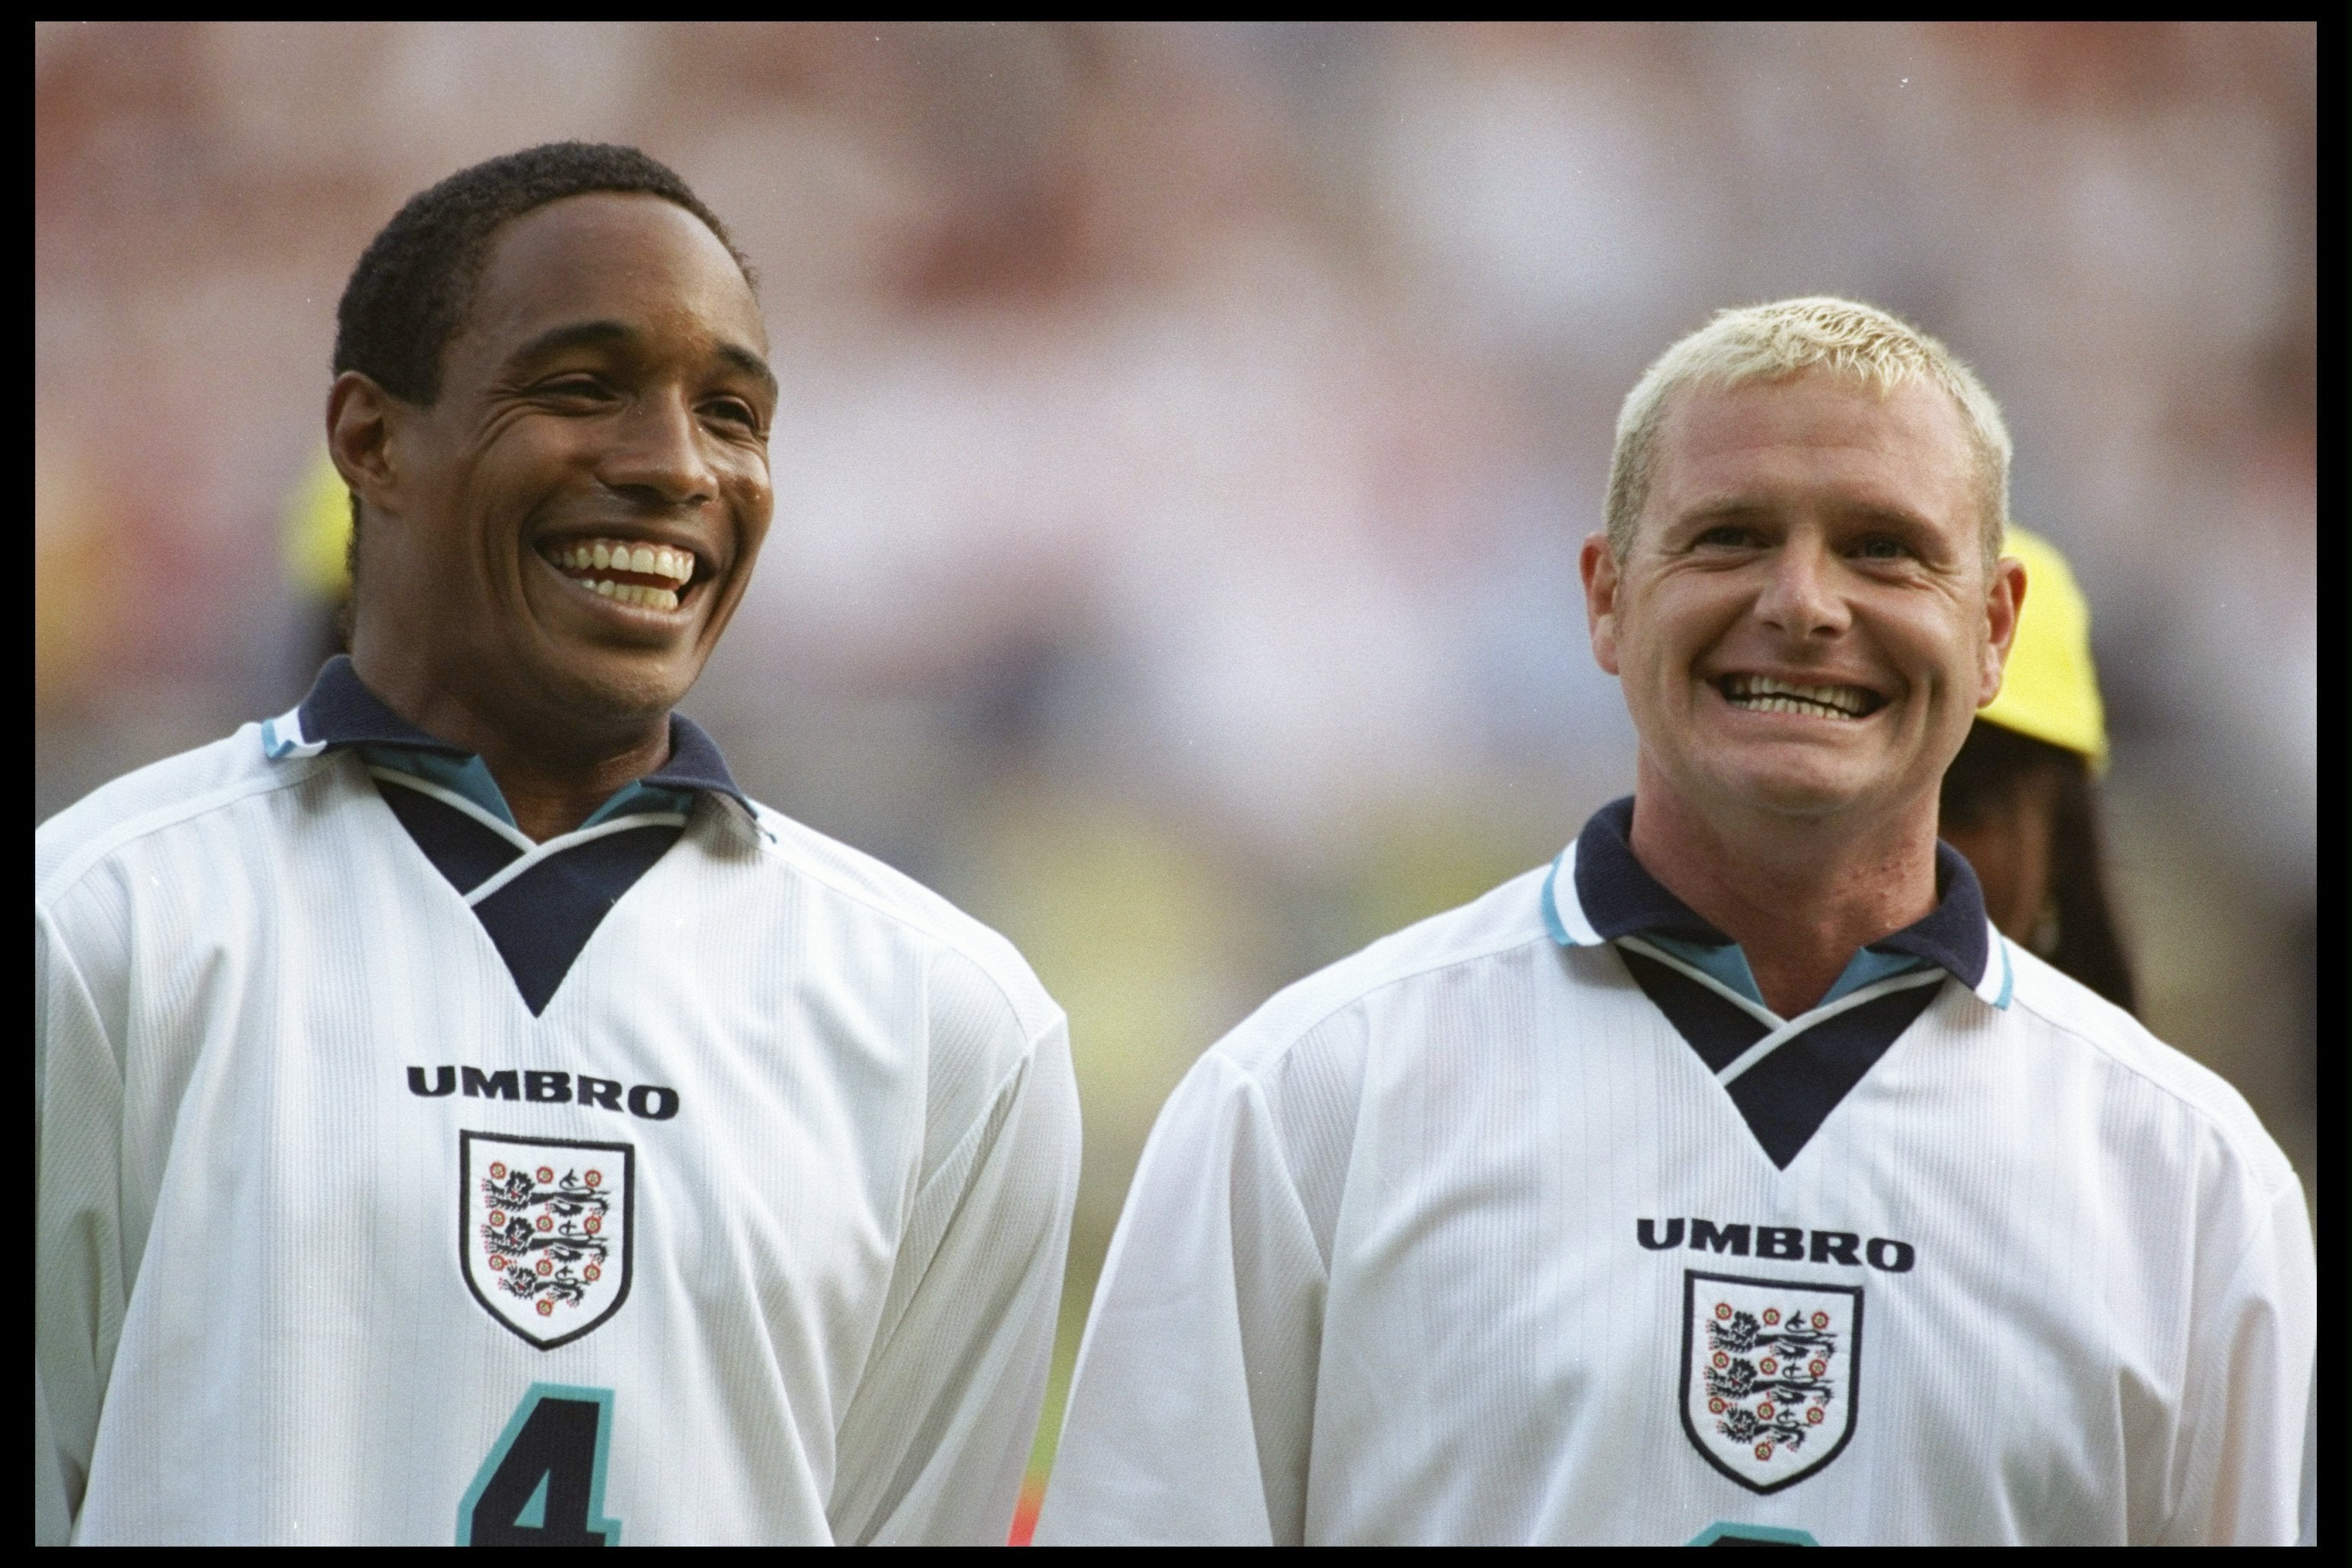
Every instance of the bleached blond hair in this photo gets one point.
(1769, 342)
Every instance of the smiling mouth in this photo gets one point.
(1762, 694)
(626, 571)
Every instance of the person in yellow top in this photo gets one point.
(2021, 801)
(315, 544)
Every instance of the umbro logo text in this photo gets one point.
(1787, 1242)
(652, 1102)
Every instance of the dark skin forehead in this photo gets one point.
(597, 271)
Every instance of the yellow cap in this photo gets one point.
(2050, 690)
(319, 532)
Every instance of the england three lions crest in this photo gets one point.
(544, 1231)
(1772, 1372)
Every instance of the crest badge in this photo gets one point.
(1771, 1371)
(544, 1231)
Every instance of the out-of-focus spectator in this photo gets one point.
(2021, 801)
(318, 555)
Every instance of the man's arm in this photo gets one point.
(78, 1284)
(933, 1442)
(2310, 1533)
(1192, 1412)
(2242, 1443)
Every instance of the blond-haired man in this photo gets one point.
(1731, 1179)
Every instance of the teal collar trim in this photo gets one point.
(1868, 968)
(469, 776)
(341, 711)
(637, 796)
(1597, 891)
(1728, 965)
(460, 773)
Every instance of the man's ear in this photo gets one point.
(2004, 600)
(361, 420)
(1599, 567)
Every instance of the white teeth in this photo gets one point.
(604, 554)
(1764, 695)
(633, 594)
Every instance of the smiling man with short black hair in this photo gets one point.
(1731, 1180)
(461, 1113)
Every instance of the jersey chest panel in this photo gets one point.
(1536, 1236)
(313, 1060)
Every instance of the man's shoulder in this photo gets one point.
(2165, 1081)
(857, 883)
(1488, 930)
(158, 798)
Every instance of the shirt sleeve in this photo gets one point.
(78, 1287)
(932, 1444)
(1192, 1410)
(2248, 1391)
(2309, 1535)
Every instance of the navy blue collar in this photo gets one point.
(1610, 894)
(341, 711)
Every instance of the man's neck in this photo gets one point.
(553, 771)
(1800, 895)
(546, 801)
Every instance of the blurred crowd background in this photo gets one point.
(1188, 432)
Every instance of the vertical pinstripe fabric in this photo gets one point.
(253, 1320)
(2098, 1325)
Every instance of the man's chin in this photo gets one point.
(1812, 794)
(613, 668)
(604, 687)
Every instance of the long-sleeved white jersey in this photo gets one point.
(691, 1178)
(1531, 1224)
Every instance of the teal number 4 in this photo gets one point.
(543, 1483)
(1725, 1533)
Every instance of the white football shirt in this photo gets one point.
(689, 1178)
(1532, 1224)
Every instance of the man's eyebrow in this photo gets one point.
(1723, 509)
(1902, 515)
(1745, 509)
(750, 364)
(609, 334)
(574, 335)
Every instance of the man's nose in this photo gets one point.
(1801, 598)
(657, 455)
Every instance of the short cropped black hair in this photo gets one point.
(410, 291)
